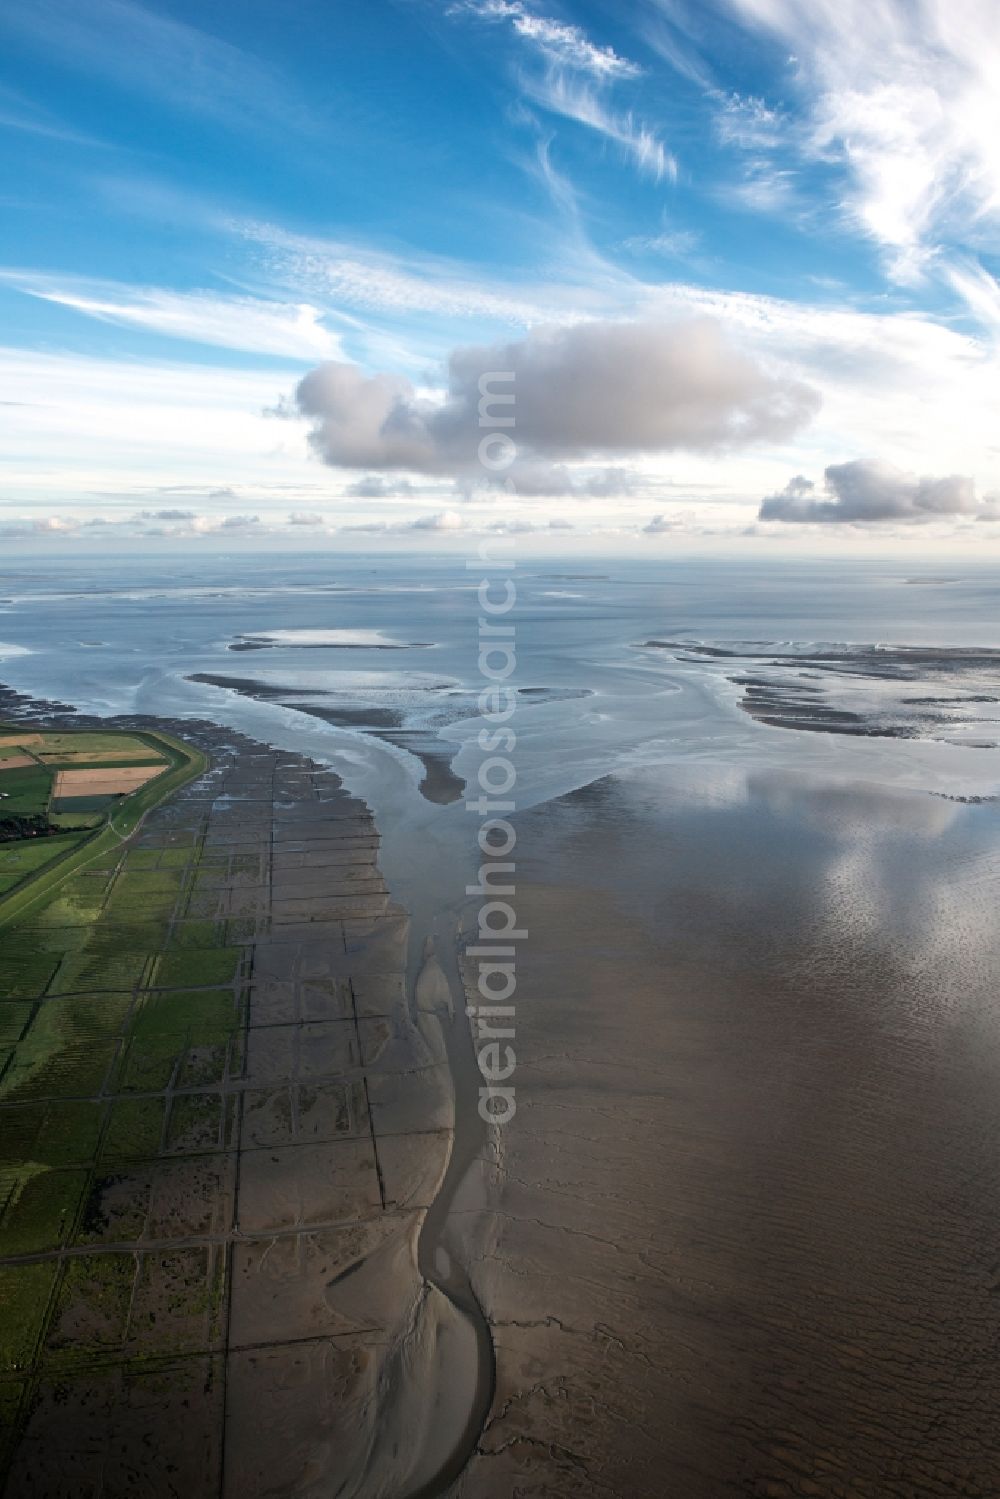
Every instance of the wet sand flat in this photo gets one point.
(222, 1127)
(746, 1220)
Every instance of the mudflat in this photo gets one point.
(222, 1126)
(745, 1225)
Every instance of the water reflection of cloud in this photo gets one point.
(852, 807)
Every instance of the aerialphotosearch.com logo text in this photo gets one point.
(495, 950)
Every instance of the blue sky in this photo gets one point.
(792, 207)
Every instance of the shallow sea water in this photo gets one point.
(742, 1235)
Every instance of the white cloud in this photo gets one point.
(357, 276)
(866, 491)
(659, 525)
(672, 244)
(445, 520)
(763, 188)
(557, 480)
(79, 434)
(979, 290)
(172, 524)
(87, 425)
(903, 94)
(913, 389)
(378, 487)
(591, 389)
(231, 523)
(561, 94)
(557, 41)
(47, 525)
(249, 323)
(748, 122)
(576, 72)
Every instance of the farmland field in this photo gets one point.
(112, 780)
(76, 791)
(76, 741)
(24, 857)
(25, 791)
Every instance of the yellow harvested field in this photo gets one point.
(109, 782)
(16, 762)
(8, 739)
(70, 757)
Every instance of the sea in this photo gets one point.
(373, 666)
(740, 1235)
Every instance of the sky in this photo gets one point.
(739, 258)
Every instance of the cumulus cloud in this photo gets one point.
(658, 525)
(237, 523)
(305, 518)
(444, 520)
(47, 525)
(555, 480)
(188, 523)
(532, 480)
(596, 389)
(866, 491)
(376, 487)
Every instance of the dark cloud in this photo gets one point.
(591, 390)
(867, 491)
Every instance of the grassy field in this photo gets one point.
(26, 791)
(122, 999)
(109, 992)
(28, 855)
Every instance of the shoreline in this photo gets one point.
(437, 1411)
